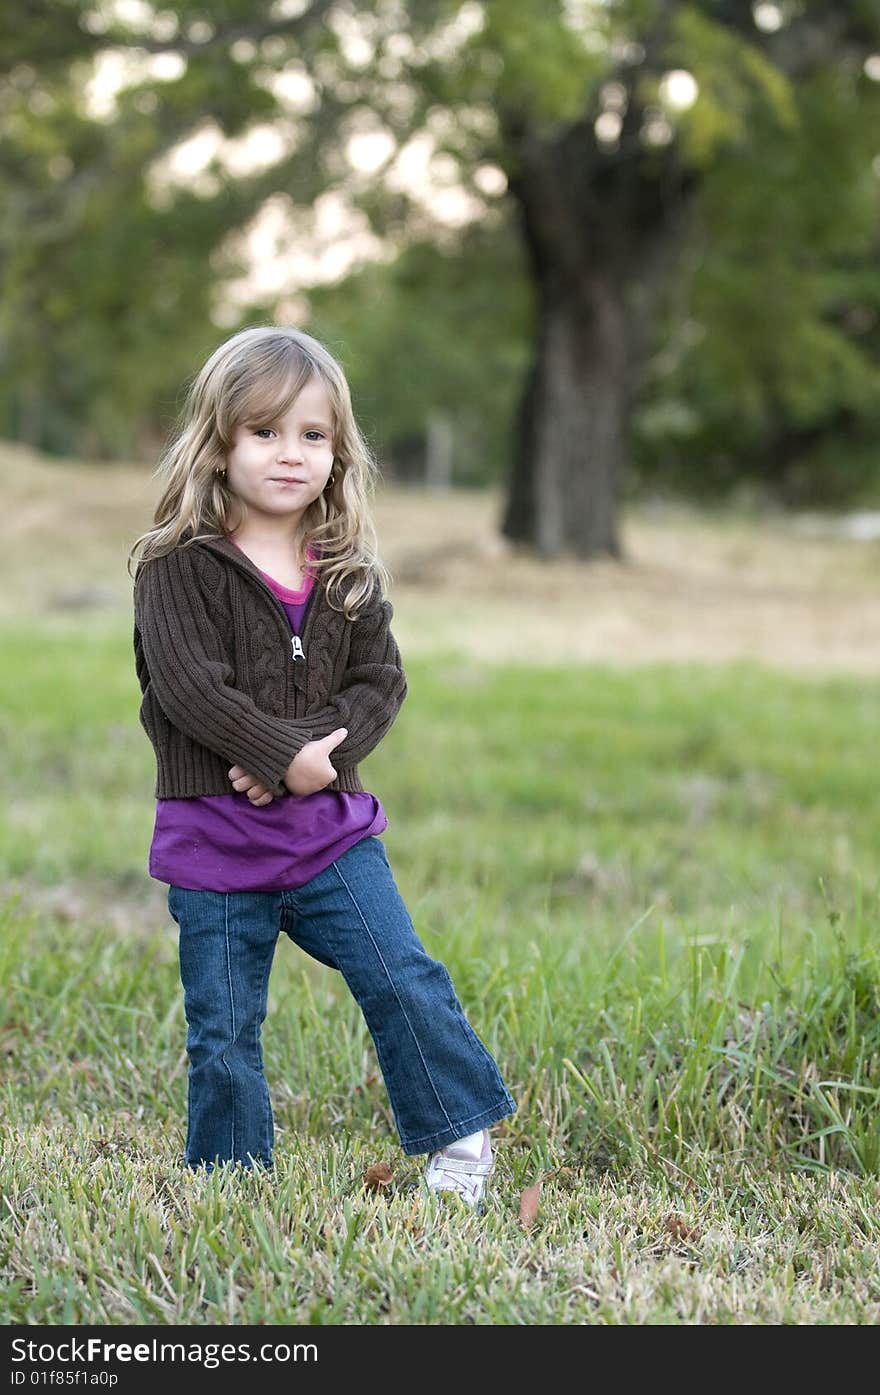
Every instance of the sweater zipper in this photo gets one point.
(297, 647)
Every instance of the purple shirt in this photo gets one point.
(222, 842)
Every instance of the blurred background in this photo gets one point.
(603, 275)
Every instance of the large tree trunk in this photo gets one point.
(572, 423)
(603, 232)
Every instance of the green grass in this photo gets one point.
(656, 891)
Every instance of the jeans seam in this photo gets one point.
(430, 1078)
(258, 1054)
(231, 1017)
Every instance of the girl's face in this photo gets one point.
(280, 467)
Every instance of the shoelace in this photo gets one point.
(466, 1176)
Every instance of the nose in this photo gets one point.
(289, 450)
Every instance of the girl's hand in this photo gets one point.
(244, 783)
(310, 770)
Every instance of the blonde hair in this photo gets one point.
(256, 375)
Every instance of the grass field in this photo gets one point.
(655, 885)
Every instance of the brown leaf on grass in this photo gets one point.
(528, 1205)
(370, 1080)
(679, 1228)
(566, 1176)
(10, 1036)
(377, 1176)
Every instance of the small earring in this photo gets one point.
(221, 473)
(332, 480)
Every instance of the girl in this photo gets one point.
(268, 672)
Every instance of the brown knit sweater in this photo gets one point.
(220, 684)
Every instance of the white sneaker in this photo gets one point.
(456, 1169)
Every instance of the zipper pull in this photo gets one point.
(297, 648)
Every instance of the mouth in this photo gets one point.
(284, 479)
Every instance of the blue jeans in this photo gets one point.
(441, 1081)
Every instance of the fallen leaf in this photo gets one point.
(377, 1176)
(10, 1036)
(678, 1227)
(528, 1206)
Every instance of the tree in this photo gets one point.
(609, 208)
(612, 175)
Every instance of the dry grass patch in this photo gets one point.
(693, 586)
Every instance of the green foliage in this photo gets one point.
(112, 290)
(772, 367)
(545, 69)
(735, 81)
(105, 295)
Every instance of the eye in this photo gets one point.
(263, 432)
(319, 434)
